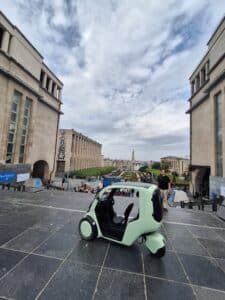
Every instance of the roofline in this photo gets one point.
(212, 35)
(44, 64)
(176, 157)
(15, 27)
(35, 49)
(198, 65)
(79, 133)
(214, 32)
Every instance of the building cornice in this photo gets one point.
(210, 86)
(30, 89)
(215, 82)
(205, 97)
(222, 57)
(29, 73)
(201, 87)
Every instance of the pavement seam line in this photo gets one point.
(53, 207)
(26, 256)
(15, 237)
(37, 254)
(182, 266)
(100, 272)
(188, 224)
(210, 256)
(144, 278)
(53, 275)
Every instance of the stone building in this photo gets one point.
(30, 101)
(107, 162)
(176, 164)
(207, 117)
(76, 152)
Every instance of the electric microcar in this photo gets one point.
(102, 221)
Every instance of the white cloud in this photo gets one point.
(125, 65)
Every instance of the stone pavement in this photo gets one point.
(43, 257)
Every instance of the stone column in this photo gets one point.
(5, 41)
(55, 90)
(207, 70)
(59, 94)
(50, 86)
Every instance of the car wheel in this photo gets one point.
(87, 229)
(160, 252)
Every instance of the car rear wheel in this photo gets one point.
(87, 229)
(160, 252)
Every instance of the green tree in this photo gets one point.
(143, 169)
(174, 176)
(165, 166)
(156, 165)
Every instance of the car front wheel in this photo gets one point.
(87, 229)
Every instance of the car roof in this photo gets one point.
(130, 184)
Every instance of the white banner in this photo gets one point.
(23, 177)
(222, 190)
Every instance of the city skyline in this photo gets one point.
(124, 65)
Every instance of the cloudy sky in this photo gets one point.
(125, 65)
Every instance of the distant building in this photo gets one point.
(76, 151)
(207, 117)
(176, 164)
(107, 162)
(30, 103)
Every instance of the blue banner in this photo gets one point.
(7, 177)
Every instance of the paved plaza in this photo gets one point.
(43, 257)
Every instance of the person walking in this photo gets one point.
(165, 188)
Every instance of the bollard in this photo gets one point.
(214, 206)
(190, 205)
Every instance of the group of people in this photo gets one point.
(147, 177)
(84, 188)
(163, 182)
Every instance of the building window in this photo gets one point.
(13, 127)
(53, 87)
(203, 75)
(1, 36)
(197, 83)
(47, 83)
(192, 87)
(42, 77)
(219, 134)
(25, 128)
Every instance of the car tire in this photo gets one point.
(88, 229)
(160, 252)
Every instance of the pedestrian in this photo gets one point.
(165, 188)
(63, 180)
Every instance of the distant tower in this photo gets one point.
(133, 158)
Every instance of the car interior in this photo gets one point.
(111, 224)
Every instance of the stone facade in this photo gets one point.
(76, 152)
(207, 118)
(176, 164)
(30, 100)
